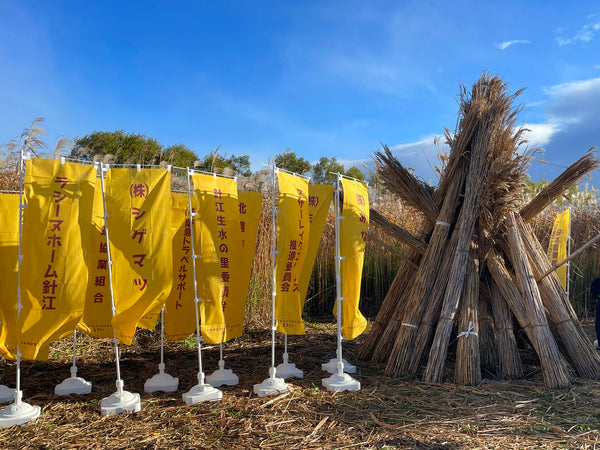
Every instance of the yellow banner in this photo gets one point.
(319, 199)
(353, 236)
(250, 203)
(56, 230)
(9, 251)
(557, 248)
(140, 243)
(180, 317)
(97, 313)
(293, 233)
(220, 265)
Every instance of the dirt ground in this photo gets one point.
(385, 413)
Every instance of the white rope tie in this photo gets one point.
(469, 331)
(404, 324)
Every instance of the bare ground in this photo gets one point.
(392, 413)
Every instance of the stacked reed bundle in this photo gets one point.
(476, 273)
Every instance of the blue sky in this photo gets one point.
(325, 78)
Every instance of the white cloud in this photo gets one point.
(504, 45)
(539, 134)
(585, 34)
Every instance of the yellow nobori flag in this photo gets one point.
(220, 263)
(180, 317)
(293, 233)
(97, 314)
(557, 249)
(319, 199)
(353, 236)
(138, 223)
(250, 204)
(56, 231)
(9, 251)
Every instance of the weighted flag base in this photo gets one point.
(338, 383)
(6, 394)
(271, 386)
(18, 413)
(288, 370)
(125, 402)
(331, 366)
(202, 392)
(73, 385)
(161, 381)
(222, 376)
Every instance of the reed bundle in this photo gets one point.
(571, 175)
(476, 273)
(509, 361)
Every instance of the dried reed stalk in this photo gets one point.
(432, 312)
(402, 182)
(573, 255)
(553, 368)
(509, 361)
(467, 371)
(490, 110)
(397, 231)
(560, 184)
(399, 285)
(487, 343)
(578, 347)
(397, 339)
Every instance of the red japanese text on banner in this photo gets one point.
(319, 199)
(293, 233)
(97, 314)
(140, 243)
(221, 260)
(353, 235)
(180, 317)
(56, 231)
(250, 203)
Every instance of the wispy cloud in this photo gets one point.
(504, 45)
(585, 34)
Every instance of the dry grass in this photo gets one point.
(393, 413)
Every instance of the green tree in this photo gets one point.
(216, 163)
(290, 161)
(119, 147)
(355, 172)
(322, 169)
(179, 155)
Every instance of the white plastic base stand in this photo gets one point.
(120, 402)
(161, 381)
(6, 394)
(331, 366)
(341, 382)
(271, 386)
(222, 376)
(288, 370)
(73, 385)
(19, 412)
(202, 392)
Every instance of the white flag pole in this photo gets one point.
(19, 412)
(73, 384)
(162, 381)
(202, 391)
(121, 401)
(339, 381)
(287, 369)
(273, 385)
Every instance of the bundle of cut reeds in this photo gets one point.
(476, 259)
